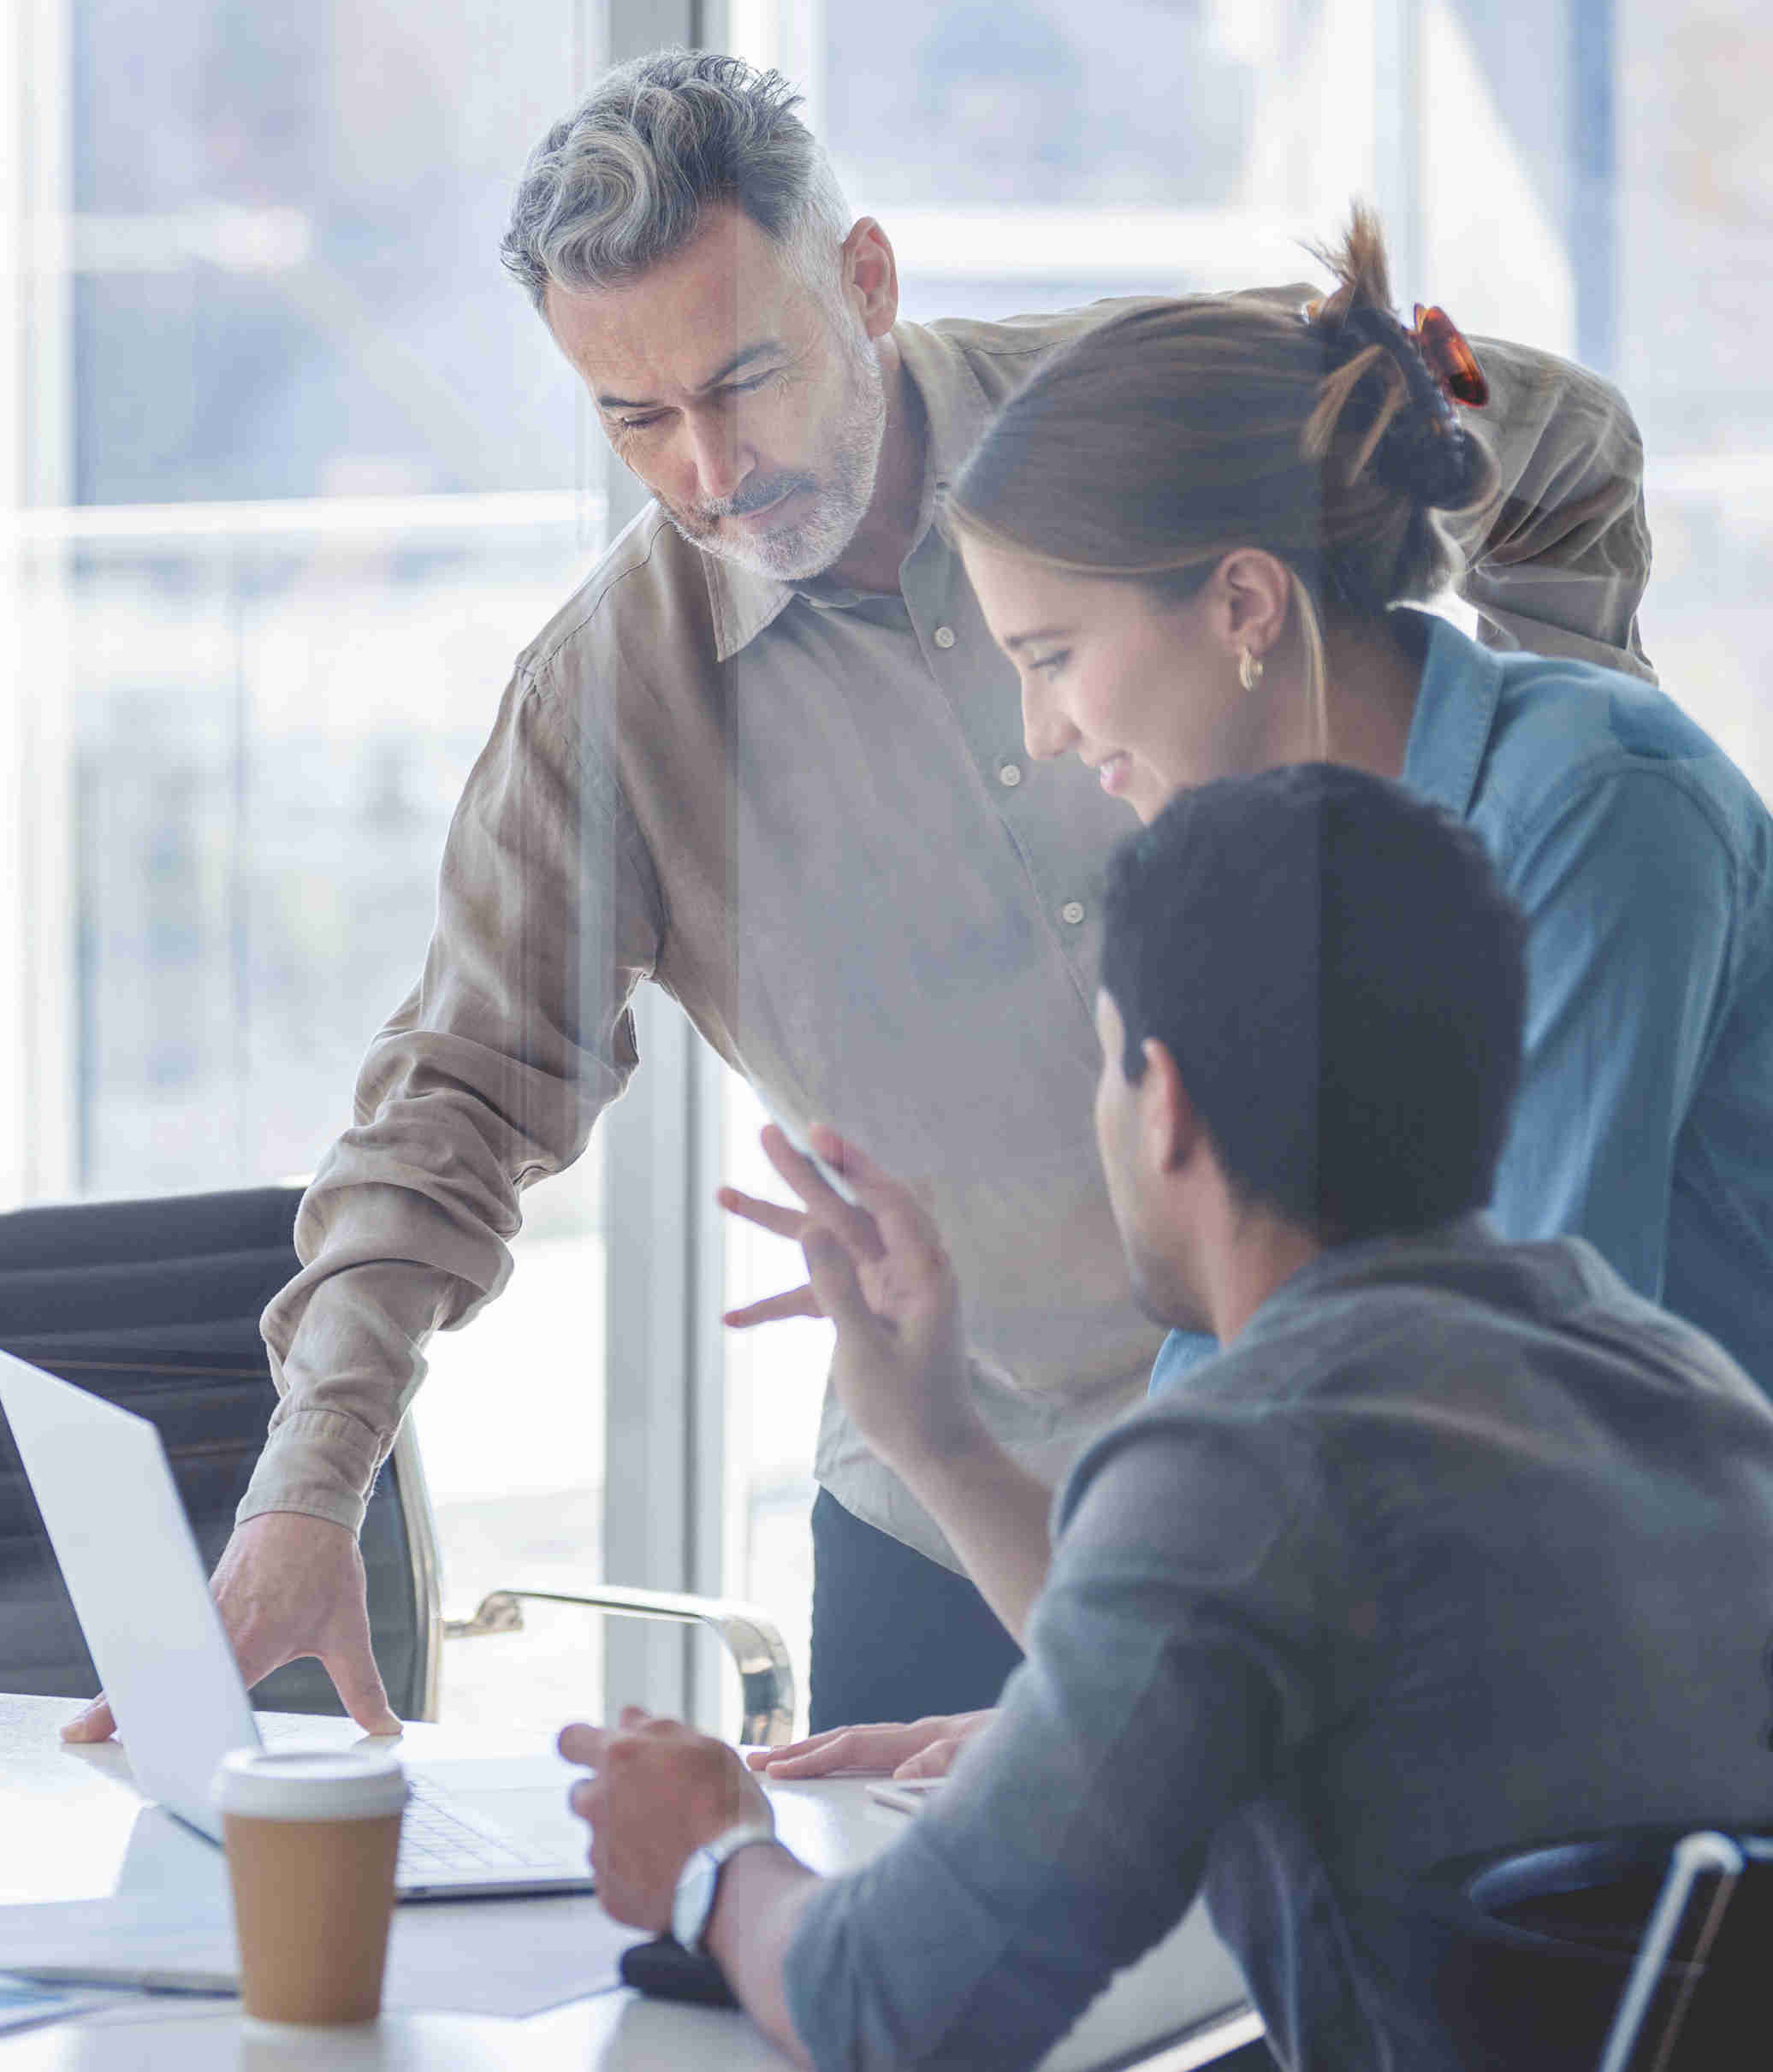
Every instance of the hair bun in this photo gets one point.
(1424, 451)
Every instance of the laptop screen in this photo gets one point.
(102, 1482)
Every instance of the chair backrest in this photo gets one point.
(1697, 1992)
(1683, 1921)
(154, 1305)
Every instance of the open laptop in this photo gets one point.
(104, 1484)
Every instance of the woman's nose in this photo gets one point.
(1046, 731)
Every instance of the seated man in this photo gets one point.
(1456, 1546)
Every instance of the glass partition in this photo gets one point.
(296, 476)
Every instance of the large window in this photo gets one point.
(315, 485)
(297, 479)
(289, 474)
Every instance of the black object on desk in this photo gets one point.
(664, 1970)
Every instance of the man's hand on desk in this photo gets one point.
(289, 1585)
(919, 1748)
(658, 1792)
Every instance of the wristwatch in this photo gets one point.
(699, 1880)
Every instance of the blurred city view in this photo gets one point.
(300, 472)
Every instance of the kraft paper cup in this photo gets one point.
(311, 1838)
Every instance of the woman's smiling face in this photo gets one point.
(1145, 691)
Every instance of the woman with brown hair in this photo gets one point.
(1197, 533)
(1200, 535)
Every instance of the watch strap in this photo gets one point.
(711, 1859)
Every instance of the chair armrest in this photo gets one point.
(765, 1675)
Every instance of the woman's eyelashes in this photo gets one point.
(1049, 665)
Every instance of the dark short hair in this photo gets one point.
(1341, 980)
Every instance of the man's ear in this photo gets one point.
(1168, 1119)
(870, 277)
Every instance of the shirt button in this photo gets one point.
(1071, 913)
(1009, 775)
(944, 636)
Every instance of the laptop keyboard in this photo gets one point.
(439, 1838)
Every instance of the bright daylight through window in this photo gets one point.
(291, 473)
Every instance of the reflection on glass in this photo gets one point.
(305, 477)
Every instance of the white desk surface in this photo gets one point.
(66, 1817)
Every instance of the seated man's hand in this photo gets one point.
(877, 1268)
(920, 1748)
(659, 1791)
(289, 1585)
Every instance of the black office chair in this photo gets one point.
(1674, 1926)
(154, 1306)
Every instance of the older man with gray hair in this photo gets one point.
(768, 757)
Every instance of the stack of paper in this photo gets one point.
(499, 1956)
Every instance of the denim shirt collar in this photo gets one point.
(1457, 706)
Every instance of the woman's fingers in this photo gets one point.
(807, 1745)
(936, 1761)
(843, 1748)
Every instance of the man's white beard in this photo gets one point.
(841, 494)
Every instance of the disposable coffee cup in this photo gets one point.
(311, 1838)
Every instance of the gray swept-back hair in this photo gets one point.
(623, 181)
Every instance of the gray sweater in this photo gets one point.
(1460, 1545)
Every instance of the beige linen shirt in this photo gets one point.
(807, 814)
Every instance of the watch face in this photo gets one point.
(694, 1898)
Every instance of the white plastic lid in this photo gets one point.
(308, 1783)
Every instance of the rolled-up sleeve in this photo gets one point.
(489, 1076)
(1558, 558)
(1162, 1680)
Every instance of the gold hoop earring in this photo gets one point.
(1249, 670)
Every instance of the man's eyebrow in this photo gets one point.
(1012, 641)
(762, 350)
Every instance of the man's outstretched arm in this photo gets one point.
(490, 1075)
(289, 1586)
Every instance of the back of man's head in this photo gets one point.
(627, 178)
(1341, 981)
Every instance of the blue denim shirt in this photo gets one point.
(1643, 857)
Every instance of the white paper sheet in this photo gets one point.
(25, 2005)
(501, 1956)
(484, 1957)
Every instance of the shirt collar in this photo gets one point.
(1455, 714)
(956, 412)
(1365, 1263)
